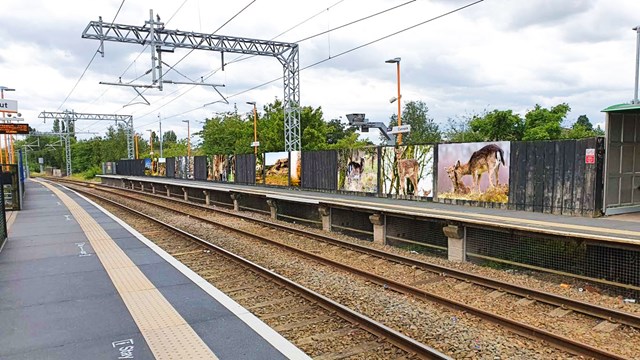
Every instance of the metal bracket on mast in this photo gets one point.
(286, 53)
(201, 83)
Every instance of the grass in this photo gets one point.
(499, 194)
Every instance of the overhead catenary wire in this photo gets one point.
(89, 64)
(244, 57)
(131, 64)
(205, 77)
(337, 55)
(213, 33)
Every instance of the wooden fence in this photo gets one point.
(544, 176)
(246, 169)
(319, 170)
(554, 177)
(171, 167)
(200, 168)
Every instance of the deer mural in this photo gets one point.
(407, 169)
(458, 186)
(487, 159)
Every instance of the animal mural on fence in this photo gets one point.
(407, 169)
(278, 173)
(487, 159)
(458, 186)
(219, 168)
(354, 173)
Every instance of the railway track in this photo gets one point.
(337, 331)
(558, 341)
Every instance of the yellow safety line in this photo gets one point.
(11, 219)
(168, 335)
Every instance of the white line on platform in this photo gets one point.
(271, 336)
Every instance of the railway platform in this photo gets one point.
(621, 229)
(78, 283)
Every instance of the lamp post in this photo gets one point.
(255, 127)
(635, 94)
(188, 138)
(151, 142)
(397, 62)
(161, 137)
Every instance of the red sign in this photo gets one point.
(590, 156)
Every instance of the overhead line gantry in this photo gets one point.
(154, 34)
(70, 117)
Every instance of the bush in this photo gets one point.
(91, 172)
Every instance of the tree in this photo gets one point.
(226, 134)
(544, 124)
(582, 128)
(497, 125)
(350, 141)
(56, 125)
(169, 137)
(423, 128)
(336, 131)
(583, 121)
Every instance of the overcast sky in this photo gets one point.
(497, 54)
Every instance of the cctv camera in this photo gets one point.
(356, 119)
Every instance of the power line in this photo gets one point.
(90, 61)
(192, 50)
(339, 54)
(133, 62)
(241, 57)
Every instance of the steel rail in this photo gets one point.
(586, 308)
(523, 329)
(396, 338)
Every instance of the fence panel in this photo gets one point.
(553, 177)
(319, 170)
(171, 167)
(200, 168)
(245, 169)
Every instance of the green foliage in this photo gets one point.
(498, 125)
(582, 128)
(231, 133)
(423, 128)
(460, 131)
(544, 124)
(169, 137)
(92, 172)
(350, 141)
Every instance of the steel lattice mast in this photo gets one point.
(70, 117)
(156, 36)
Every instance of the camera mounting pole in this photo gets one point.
(364, 125)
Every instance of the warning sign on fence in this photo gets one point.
(590, 156)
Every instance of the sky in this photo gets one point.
(495, 54)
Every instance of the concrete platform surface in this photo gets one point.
(617, 228)
(59, 298)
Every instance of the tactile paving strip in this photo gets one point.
(168, 335)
